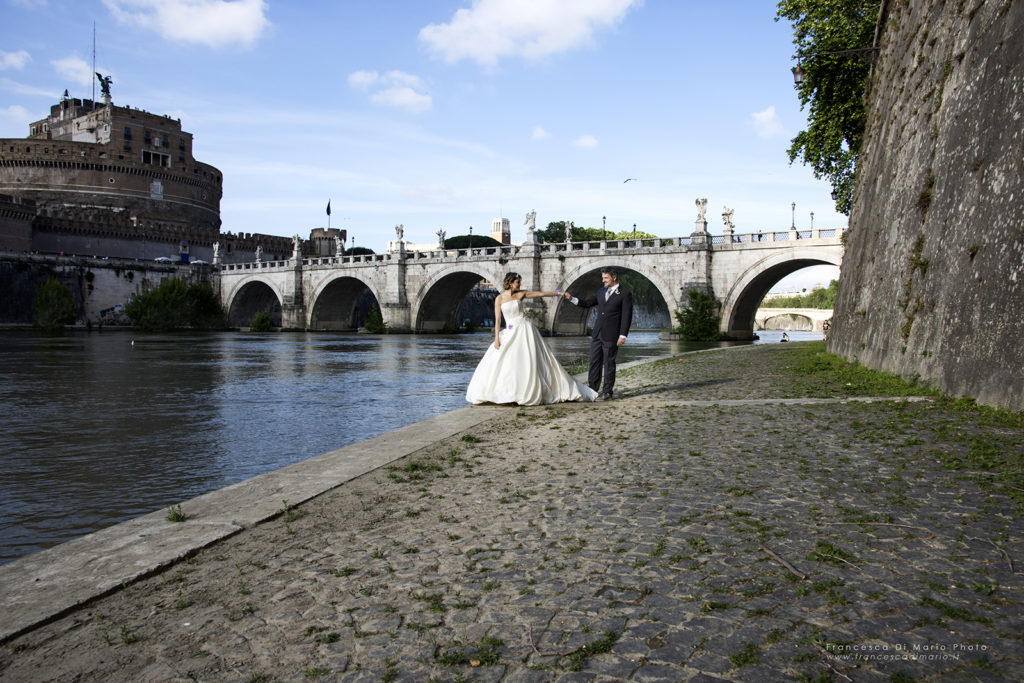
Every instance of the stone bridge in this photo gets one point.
(420, 291)
(806, 319)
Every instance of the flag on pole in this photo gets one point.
(328, 207)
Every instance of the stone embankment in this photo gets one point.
(736, 514)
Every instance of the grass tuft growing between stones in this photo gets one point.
(829, 372)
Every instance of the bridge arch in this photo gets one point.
(251, 296)
(336, 303)
(584, 280)
(785, 321)
(740, 303)
(440, 296)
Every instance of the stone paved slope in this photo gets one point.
(724, 519)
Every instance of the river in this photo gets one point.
(100, 427)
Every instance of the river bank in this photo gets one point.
(734, 514)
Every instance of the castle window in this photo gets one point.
(127, 133)
(127, 145)
(156, 159)
(181, 144)
(148, 137)
(166, 144)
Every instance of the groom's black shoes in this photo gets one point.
(606, 396)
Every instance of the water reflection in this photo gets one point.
(98, 428)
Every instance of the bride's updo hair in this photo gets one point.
(509, 279)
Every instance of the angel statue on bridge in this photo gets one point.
(531, 221)
(727, 218)
(702, 208)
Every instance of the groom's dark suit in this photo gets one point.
(614, 316)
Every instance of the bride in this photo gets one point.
(519, 367)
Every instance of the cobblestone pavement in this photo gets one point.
(699, 527)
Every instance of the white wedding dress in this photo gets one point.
(523, 370)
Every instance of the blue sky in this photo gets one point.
(444, 114)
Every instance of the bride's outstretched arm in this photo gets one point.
(536, 295)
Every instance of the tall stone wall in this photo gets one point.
(933, 274)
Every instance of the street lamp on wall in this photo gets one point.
(471, 240)
(604, 233)
(868, 53)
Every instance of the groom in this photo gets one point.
(614, 316)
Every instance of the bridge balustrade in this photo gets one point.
(547, 248)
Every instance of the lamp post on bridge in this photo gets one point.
(604, 233)
(812, 220)
(471, 240)
(792, 225)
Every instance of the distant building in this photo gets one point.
(501, 230)
(93, 178)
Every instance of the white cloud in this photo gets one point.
(586, 141)
(22, 89)
(363, 79)
(402, 98)
(539, 133)
(74, 69)
(15, 117)
(401, 78)
(393, 89)
(14, 60)
(492, 29)
(766, 123)
(215, 23)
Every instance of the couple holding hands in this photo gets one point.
(520, 368)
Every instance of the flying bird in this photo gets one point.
(627, 180)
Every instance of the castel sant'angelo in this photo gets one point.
(97, 179)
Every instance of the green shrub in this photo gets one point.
(54, 306)
(375, 323)
(698, 321)
(173, 305)
(260, 322)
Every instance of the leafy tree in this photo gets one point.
(830, 37)
(357, 251)
(174, 304)
(629, 235)
(375, 322)
(463, 241)
(261, 322)
(555, 232)
(54, 306)
(644, 293)
(698, 322)
(824, 298)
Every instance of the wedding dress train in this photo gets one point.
(524, 370)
